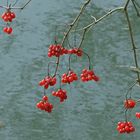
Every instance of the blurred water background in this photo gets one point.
(92, 109)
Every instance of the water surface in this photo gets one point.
(92, 110)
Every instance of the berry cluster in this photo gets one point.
(76, 51)
(125, 127)
(7, 30)
(45, 105)
(129, 103)
(138, 115)
(8, 16)
(69, 77)
(56, 50)
(88, 75)
(48, 81)
(62, 94)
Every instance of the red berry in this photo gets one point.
(129, 103)
(52, 81)
(70, 79)
(95, 78)
(42, 82)
(127, 129)
(38, 105)
(122, 131)
(5, 29)
(13, 15)
(45, 98)
(9, 30)
(8, 13)
(46, 86)
(5, 18)
(9, 18)
(138, 115)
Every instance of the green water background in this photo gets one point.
(92, 110)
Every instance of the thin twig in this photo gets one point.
(89, 60)
(71, 26)
(15, 3)
(60, 83)
(74, 21)
(125, 114)
(101, 18)
(7, 3)
(48, 71)
(83, 37)
(126, 5)
(130, 88)
(57, 65)
(137, 11)
(138, 5)
(21, 7)
(132, 41)
(5, 7)
(69, 62)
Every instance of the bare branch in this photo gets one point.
(126, 5)
(75, 20)
(15, 3)
(132, 42)
(21, 8)
(136, 9)
(101, 18)
(5, 7)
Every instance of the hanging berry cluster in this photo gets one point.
(8, 16)
(69, 77)
(129, 103)
(125, 127)
(61, 94)
(45, 105)
(48, 81)
(88, 75)
(57, 50)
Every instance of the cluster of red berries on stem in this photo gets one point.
(45, 105)
(76, 51)
(69, 77)
(48, 81)
(88, 75)
(61, 94)
(8, 16)
(56, 50)
(125, 127)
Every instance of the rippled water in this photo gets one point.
(92, 110)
